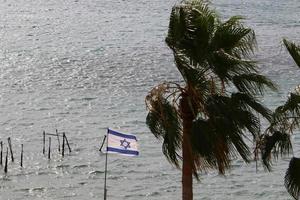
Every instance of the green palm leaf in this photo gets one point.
(287, 116)
(177, 27)
(225, 65)
(246, 119)
(210, 146)
(291, 106)
(232, 36)
(294, 50)
(163, 122)
(190, 27)
(253, 83)
(292, 178)
(278, 143)
(248, 101)
(222, 135)
(217, 141)
(284, 120)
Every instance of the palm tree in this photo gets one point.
(276, 140)
(204, 118)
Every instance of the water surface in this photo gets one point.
(82, 66)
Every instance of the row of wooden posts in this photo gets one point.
(65, 140)
(57, 135)
(11, 154)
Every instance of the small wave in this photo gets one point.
(5, 178)
(96, 172)
(37, 189)
(45, 173)
(62, 166)
(23, 190)
(79, 166)
(153, 194)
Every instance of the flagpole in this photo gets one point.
(105, 190)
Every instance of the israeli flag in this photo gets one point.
(121, 143)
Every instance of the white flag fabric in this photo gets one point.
(121, 143)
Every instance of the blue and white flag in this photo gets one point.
(121, 143)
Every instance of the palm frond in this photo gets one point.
(246, 119)
(209, 146)
(292, 178)
(287, 116)
(217, 141)
(297, 90)
(291, 106)
(248, 101)
(233, 136)
(226, 123)
(278, 143)
(225, 66)
(177, 27)
(191, 75)
(253, 83)
(164, 123)
(233, 37)
(237, 112)
(190, 29)
(201, 27)
(294, 50)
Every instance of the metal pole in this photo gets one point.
(105, 174)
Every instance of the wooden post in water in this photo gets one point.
(1, 152)
(6, 161)
(44, 142)
(63, 146)
(64, 135)
(57, 135)
(10, 148)
(21, 155)
(49, 148)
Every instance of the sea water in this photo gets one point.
(81, 66)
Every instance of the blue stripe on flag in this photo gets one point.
(129, 152)
(121, 134)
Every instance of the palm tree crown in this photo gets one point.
(205, 119)
(276, 140)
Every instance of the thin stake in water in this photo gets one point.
(10, 148)
(1, 152)
(21, 155)
(64, 135)
(63, 146)
(6, 160)
(57, 135)
(49, 149)
(44, 142)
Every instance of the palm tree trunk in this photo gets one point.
(187, 157)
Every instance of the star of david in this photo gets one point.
(125, 144)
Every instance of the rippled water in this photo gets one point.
(82, 66)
